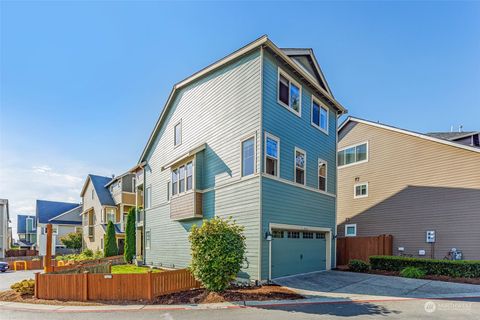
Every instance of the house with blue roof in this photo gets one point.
(27, 230)
(65, 218)
(106, 199)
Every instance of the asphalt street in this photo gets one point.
(405, 309)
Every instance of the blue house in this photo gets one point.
(252, 136)
(26, 230)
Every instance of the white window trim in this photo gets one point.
(178, 194)
(355, 191)
(322, 106)
(354, 225)
(271, 136)
(148, 196)
(295, 166)
(254, 136)
(289, 78)
(351, 146)
(326, 174)
(175, 133)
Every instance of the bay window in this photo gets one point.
(182, 178)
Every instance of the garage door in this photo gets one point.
(295, 252)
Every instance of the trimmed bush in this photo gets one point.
(218, 252)
(129, 252)
(356, 265)
(87, 254)
(412, 272)
(451, 268)
(110, 248)
(24, 287)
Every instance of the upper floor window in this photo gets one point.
(360, 190)
(248, 157)
(289, 93)
(182, 178)
(110, 215)
(272, 148)
(322, 175)
(148, 197)
(319, 116)
(178, 134)
(30, 226)
(93, 193)
(353, 154)
(300, 164)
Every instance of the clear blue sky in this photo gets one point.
(82, 83)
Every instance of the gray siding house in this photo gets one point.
(5, 239)
(253, 137)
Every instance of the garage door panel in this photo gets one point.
(297, 255)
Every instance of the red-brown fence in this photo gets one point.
(362, 248)
(86, 286)
(20, 253)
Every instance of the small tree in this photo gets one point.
(218, 252)
(72, 240)
(129, 252)
(110, 248)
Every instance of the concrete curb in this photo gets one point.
(18, 306)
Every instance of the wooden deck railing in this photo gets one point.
(86, 286)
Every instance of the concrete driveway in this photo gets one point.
(356, 285)
(10, 277)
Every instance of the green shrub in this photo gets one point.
(129, 252)
(72, 240)
(218, 252)
(412, 272)
(358, 265)
(24, 287)
(451, 268)
(87, 254)
(110, 249)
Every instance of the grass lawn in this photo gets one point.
(130, 268)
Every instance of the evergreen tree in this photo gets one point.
(129, 252)
(110, 248)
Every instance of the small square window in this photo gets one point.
(307, 235)
(277, 233)
(293, 234)
(350, 230)
(361, 190)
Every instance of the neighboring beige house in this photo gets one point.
(403, 183)
(106, 199)
(5, 238)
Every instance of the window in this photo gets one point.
(360, 190)
(307, 235)
(174, 182)
(300, 164)
(101, 243)
(319, 235)
(354, 154)
(189, 176)
(248, 157)
(148, 197)
(93, 194)
(350, 230)
(293, 234)
(110, 215)
(178, 134)
(148, 239)
(134, 184)
(277, 233)
(322, 175)
(54, 229)
(29, 225)
(182, 179)
(289, 93)
(272, 146)
(319, 116)
(168, 191)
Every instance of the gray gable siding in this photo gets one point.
(219, 110)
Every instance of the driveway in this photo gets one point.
(356, 285)
(10, 277)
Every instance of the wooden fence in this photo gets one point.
(86, 286)
(20, 253)
(362, 248)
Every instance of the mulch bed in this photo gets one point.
(427, 277)
(196, 296)
(259, 293)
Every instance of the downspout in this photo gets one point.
(144, 215)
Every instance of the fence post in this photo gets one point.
(150, 285)
(36, 285)
(85, 286)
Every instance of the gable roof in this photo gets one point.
(46, 211)
(100, 185)
(22, 222)
(263, 42)
(452, 136)
(408, 132)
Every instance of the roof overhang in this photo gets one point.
(185, 156)
(263, 42)
(84, 188)
(407, 132)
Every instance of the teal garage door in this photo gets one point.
(295, 252)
